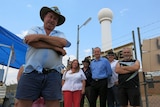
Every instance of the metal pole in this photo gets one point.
(9, 61)
(78, 28)
(135, 52)
(136, 58)
(144, 78)
(140, 45)
(78, 42)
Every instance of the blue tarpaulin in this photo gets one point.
(7, 38)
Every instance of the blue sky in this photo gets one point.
(20, 15)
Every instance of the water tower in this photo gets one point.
(105, 17)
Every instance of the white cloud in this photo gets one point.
(123, 11)
(29, 5)
(88, 52)
(12, 76)
(9, 75)
(67, 58)
(23, 33)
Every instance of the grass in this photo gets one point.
(86, 104)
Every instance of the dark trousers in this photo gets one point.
(88, 96)
(112, 97)
(99, 89)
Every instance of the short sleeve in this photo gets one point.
(83, 77)
(34, 30)
(64, 74)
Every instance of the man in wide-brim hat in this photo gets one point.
(45, 10)
(42, 77)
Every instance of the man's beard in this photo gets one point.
(127, 58)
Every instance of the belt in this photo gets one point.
(46, 71)
(99, 79)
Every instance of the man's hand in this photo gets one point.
(60, 51)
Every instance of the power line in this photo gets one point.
(147, 31)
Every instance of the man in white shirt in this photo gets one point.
(112, 92)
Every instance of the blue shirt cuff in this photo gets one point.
(68, 44)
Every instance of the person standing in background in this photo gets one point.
(41, 76)
(101, 72)
(128, 79)
(21, 69)
(112, 96)
(73, 85)
(19, 74)
(87, 72)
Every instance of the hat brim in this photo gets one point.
(86, 62)
(45, 10)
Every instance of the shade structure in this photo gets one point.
(11, 44)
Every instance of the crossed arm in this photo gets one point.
(127, 69)
(49, 42)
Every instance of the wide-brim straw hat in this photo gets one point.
(45, 10)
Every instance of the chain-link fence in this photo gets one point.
(150, 89)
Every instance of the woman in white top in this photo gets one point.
(73, 85)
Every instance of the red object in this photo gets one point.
(72, 98)
(39, 102)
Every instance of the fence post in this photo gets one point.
(144, 79)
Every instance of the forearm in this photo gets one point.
(52, 40)
(121, 71)
(40, 44)
(43, 45)
(132, 68)
(129, 68)
(83, 84)
(63, 82)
